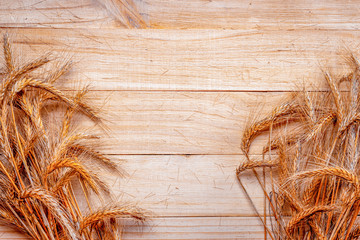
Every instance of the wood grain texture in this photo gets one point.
(191, 197)
(152, 122)
(54, 14)
(209, 228)
(184, 90)
(186, 186)
(194, 14)
(258, 14)
(198, 228)
(191, 60)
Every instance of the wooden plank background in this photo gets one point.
(179, 93)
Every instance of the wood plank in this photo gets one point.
(210, 228)
(54, 14)
(188, 186)
(191, 197)
(198, 228)
(220, 14)
(148, 122)
(259, 14)
(191, 60)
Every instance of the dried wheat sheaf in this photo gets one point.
(40, 163)
(313, 160)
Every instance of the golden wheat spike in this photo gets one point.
(305, 214)
(53, 206)
(337, 97)
(250, 165)
(329, 171)
(31, 66)
(117, 211)
(9, 64)
(279, 116)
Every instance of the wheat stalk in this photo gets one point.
(317, 190)
(40, 163)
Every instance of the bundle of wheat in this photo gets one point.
(40, 162)
(314, 150)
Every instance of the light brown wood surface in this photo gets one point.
(187, 186)
(208, 228)
(194, 14)
(191, 60)
(191, 228)
(178, 122)
(177, 95)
